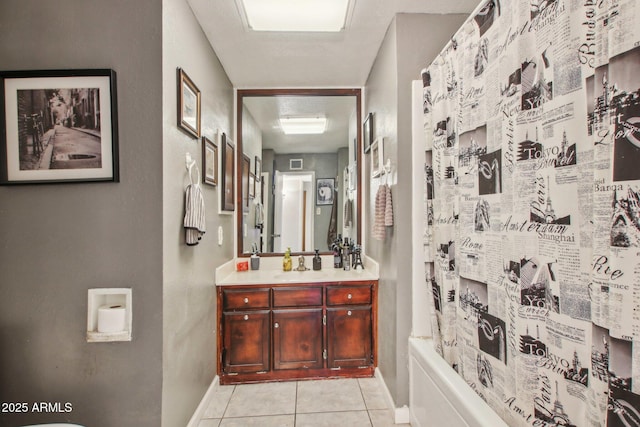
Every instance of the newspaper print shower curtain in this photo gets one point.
(532, 209)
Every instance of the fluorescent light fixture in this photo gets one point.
(303, 125)
(298, 15)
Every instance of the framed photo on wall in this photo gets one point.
(210, 162)
(252, 185)
(325, 191)
(258, 167)
(377, 156)
(227, 177)
(246, 172)
(367, 133)
(58, 126)
(188, 105)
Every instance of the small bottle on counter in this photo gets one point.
(317, 261)
(286, 262)
(337, 254)
(255, 261)
(346, 255)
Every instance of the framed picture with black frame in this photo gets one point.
(209, 161)
(367, 132)
(188, 105)
(227, 177)
(58, 126)
(258, 166)
(325, 191)
(246, 172)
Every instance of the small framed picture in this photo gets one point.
(252, 185)
(367, 133)
(246, 172)
(258, 167)
(188, 105)
(377, 156)
(210, 162)
(325, 191)
(227, 177)
(352, 172)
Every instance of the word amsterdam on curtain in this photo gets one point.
(532, 209)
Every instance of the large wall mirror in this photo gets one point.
(298, 169)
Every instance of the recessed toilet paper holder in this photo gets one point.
(109, 315)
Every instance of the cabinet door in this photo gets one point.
(349, 337)
(246, 341)
(297, 339)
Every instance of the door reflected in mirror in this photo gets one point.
(304, 149)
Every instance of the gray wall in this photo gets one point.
(411, 43)
(325, 165)
(189, 299)
(60, 240)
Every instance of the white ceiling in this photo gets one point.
(337, 109)
(277, 60)
(306, 60)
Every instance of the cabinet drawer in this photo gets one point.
(297, 297)
(245, 298)
(341, 295)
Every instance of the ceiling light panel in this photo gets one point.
(303, 125)
(299, 15)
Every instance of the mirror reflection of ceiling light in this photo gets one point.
(298, 15)
(303, 125)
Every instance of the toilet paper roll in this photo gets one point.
(111, 318)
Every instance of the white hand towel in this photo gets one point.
(388, 208)
(379, 231)
(194, 217)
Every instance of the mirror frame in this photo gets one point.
(243, 93)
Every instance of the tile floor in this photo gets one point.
(322, 403)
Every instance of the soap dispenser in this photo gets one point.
(317, 261)
(286, 262)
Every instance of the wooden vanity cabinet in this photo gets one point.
(247, 325)
(349, 326)
(300, 331)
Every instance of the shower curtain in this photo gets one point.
(532, 209)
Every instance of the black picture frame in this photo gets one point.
(227, 177)
(258, 166)
(188, 105)
(325, 191)
(58, 126)
(209, 162)
(367, 133)
(246, 171)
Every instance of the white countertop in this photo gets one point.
(270, 272)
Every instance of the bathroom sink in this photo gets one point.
(307, 276)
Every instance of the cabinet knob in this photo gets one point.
(349, 313)
(246, 300)
(246, 317)
(276, 325)
(349, 296)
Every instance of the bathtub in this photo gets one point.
(438, 396)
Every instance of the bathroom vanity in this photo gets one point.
(296, 325)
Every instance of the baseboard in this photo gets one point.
(204, 403)
(400, 415)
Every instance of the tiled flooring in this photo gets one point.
(323, 403)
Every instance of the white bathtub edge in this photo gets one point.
(474, 411)
(400, 415)
(204, 403)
